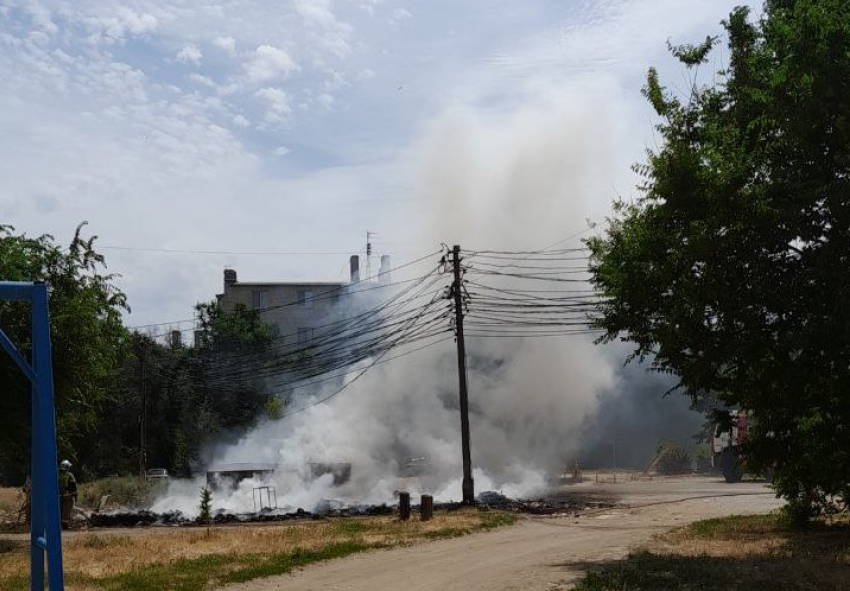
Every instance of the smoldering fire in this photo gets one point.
(518, 181)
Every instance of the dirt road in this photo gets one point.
(539, 553)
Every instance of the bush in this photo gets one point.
(205, 507)
(127, 491)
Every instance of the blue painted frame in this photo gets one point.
(46, 530)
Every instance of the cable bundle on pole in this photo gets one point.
(541, 293)
(413, 315)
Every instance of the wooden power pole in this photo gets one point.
(457, 293)
(143, 417)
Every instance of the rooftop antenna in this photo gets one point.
(369, 254)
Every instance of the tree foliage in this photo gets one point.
(193, 396)
(86, 333)
(104, 374)
(730, 267)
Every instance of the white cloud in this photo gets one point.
(204, 80)
(281, 151)
(315, 12)
(97, 126)
(326, 32)
(190, 54)
(114, 26)
(400, 14)
(137, 23)
(228, 44)
(278, 103)
(270, 63)
(42, 18)
(370, 5)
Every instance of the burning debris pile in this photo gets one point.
(146, 518)
(540, 506)
(328, 508)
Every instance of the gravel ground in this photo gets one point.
(541, 553)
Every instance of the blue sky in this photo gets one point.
(299, 125)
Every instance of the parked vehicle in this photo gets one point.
(725, 443)
(157, 474)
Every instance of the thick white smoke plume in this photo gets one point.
(523, 180)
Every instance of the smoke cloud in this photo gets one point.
(521, 178)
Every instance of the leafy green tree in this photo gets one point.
(166, 381)
(235, 348)
(86, 333)
(193, 395)
(730, 268)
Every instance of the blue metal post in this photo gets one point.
(46, 532)
(38, 499)
(47, 434)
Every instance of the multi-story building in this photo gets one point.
(299, 309)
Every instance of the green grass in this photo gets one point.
(15, 583)
(198, 573)
(343, 538)
(446, 533)
(737, 526)
(102, 542)
(752, 553)
(352, 527)
(488, 521)
(652, 572)
(496, 519)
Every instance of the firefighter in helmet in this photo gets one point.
(67, 492)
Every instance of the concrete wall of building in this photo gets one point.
(298, 310)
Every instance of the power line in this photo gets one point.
(318, 297)
(223, 252)
(346, 385)
(349, 341)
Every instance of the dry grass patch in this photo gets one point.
(736, 537)
(10, 497)
(10, 502)
(150, 559)
(752, 553)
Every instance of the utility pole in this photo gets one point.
(143, 419)
(369, 254)
(457, 293)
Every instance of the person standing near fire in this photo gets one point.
(67, 492)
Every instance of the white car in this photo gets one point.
(157, 474)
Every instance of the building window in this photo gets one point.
(305, 335)
(260, 298)
(305, 298)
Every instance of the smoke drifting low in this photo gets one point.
(513, 180)
(633, 418)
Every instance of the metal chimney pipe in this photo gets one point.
(384, 273)
(355, 268)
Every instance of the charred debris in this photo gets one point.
(329, 509)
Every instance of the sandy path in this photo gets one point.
(537, 554)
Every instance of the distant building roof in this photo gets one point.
(292, 283)
(243, 467)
